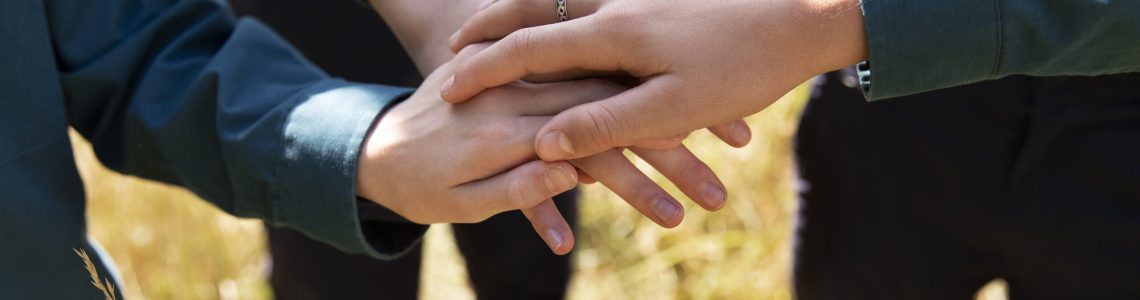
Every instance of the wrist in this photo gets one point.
(841, 38)
(367, 165)
(370, 159)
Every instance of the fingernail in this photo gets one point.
(454, 36)
(554, 146)
(554, 239)
(564, 144)
(740, 132)
(714, 195)
(666, 210)
(558, 180)
(446, 89)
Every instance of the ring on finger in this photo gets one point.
(561, 10)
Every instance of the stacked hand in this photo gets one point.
(433, 162)
(700, 62)
(693, 64)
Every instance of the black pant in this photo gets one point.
(505, 258)
(1034, 180)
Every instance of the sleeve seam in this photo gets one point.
(998, 43)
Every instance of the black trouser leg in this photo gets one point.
(506, 259)
(1035, 180)
(307, 269)
(900, 195)
(1077, 193)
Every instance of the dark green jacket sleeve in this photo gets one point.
(179, 92)
(918, 46)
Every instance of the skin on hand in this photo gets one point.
(433, 162)
(701, 62)
(423, 28)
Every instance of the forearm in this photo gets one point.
(423, 27)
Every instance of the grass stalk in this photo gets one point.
(104, 285)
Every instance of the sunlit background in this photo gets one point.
(168, 244)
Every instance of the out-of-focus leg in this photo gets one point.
(1078, 193)
(304, 268)
(507, 260)
(901, 197)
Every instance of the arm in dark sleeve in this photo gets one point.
(917, 46)
(179, 92)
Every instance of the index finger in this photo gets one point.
(536, 50)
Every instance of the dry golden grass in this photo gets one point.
(102, 284)
(167, 243)
(741, 251)
(170, 245)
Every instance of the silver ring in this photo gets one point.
(561, 8)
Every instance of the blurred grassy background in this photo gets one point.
(170, 245)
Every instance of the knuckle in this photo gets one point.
(521, 42)
(516, 194)
(604, 127)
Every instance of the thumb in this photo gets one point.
(536, 50)
(649, 111)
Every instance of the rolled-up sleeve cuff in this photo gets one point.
(317, 172)
(918, 46)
